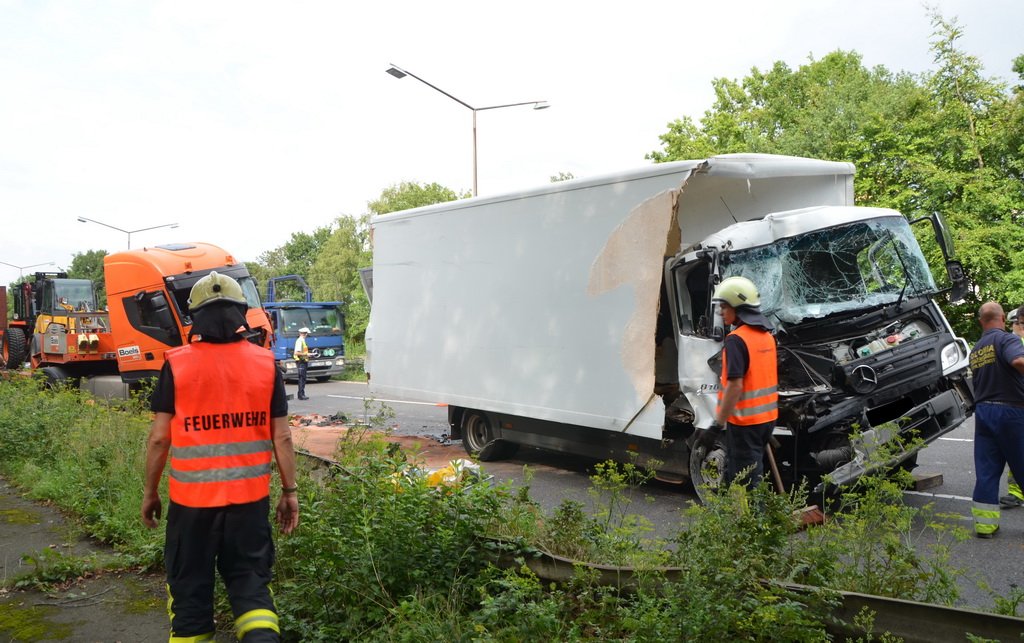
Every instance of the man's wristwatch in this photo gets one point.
(293, 489)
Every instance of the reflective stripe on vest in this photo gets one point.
(759, 401)
(221, 448)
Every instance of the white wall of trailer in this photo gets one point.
(543, 303)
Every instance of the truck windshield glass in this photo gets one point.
(863, 264)
(251, 292)
(320, 321)
(181, 289)
(74, 293)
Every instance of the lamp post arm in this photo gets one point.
(529, 102)
(435, 88)
(165, 225)
(105, 225)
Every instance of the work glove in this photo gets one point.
(707, 438)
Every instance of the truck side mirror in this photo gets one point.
(958, 279)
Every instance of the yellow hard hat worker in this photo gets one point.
(737, 291)
(215, 287)
(742, 295)
(217, 307)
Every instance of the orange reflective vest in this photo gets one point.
(759, 402)
(221, 446)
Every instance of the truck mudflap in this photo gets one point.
(922, 425)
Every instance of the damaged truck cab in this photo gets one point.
(865, 355)
(577, 316)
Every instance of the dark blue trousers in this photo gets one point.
(998, 441)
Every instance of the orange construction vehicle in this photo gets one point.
(58, 328)
(147, 294)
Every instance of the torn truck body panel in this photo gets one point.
(577, 316)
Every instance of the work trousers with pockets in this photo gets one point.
(998, 441)
(236, 541)
(744, 448)
(303, 369)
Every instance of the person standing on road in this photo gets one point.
(301, 355)
(221, 415)
(748, 398)
(997, 368)
(1014, 496)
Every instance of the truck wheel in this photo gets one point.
(14, 350)
(479, 441)
(707, 469)
(57, 377)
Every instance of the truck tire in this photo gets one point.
(57, 377)
(14, 348)
(478, 439)
(707, 469)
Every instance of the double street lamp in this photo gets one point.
(398, 72)
(21, 269)
(127, 232)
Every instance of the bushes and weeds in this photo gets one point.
(383, 555)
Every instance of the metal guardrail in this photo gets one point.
(912, 621)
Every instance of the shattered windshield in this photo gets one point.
(860, 265)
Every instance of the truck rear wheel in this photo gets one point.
(14, 348)
(707, 469)
(478, 438)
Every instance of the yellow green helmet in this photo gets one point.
(737, 291)
(215, 287)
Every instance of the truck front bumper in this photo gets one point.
(324, 367)
(922, 425)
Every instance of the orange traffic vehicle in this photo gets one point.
(147, 297)
(58, 328)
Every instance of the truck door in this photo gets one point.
(690, 280)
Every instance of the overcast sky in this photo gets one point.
(245, 121)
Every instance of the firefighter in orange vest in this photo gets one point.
(221, 415)
(748, 397)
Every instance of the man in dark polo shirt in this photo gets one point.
(997, 367)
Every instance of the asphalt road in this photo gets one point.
(998, 562)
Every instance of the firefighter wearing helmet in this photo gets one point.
(221, 415)
(748, 396)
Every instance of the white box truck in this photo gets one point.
(577, 316)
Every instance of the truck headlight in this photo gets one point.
(289, 366)
(950, 355)
(339, 362)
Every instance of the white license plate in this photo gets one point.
(319, 363)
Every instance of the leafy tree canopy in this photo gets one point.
(407, 195)
(295, 257)
(948, 141)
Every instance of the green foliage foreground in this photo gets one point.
(382, 555)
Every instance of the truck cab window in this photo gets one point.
(694, 296)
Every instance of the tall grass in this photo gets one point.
(382, 555)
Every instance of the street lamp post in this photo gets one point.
(127, 232)
(398, 72)
(21, 269)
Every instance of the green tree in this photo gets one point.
(335, 275)
(294, 257)
(407, 195)
(949, 141)
(89, 265)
